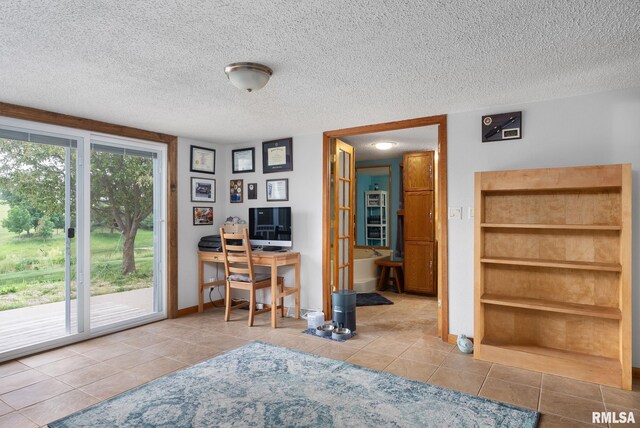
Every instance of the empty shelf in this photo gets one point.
(551, 306)
(564, 264)
(550, 226)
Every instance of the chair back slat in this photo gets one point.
(237, 258)
(233, 235)
(238, 248)
(233, 269)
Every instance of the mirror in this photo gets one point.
(373, 223)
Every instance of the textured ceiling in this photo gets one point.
(159, 64)
(407, 140)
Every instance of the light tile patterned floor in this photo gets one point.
(397, 338)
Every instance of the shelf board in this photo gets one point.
(564, 264)
(552, 306)
(590, 368)
(594, 227)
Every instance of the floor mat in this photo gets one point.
(371, 299)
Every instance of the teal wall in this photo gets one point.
(366, 183)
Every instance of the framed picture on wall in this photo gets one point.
(203, 160)
(243, 160)
(235, 191)
(278, 190)
(203, 190)
(252, 191)
(277, 155)
(202, 216)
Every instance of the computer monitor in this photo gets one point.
(270, 226)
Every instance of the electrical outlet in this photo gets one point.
(455, 213)
(470, 213)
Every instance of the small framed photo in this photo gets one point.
(252, 191)
(235, 191)
(277, 155)
(203, 160)
(243, 160)
(203, 190)
(278, 190)
(202, 216)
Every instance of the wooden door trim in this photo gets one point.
(59, 119)
(442, 231)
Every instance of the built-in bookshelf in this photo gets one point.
(553, 271)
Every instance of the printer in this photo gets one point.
(214, 243)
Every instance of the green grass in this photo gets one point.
(32, 269)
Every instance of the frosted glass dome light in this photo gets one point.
(384, 145)
(248, 76)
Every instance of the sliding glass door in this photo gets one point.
(82, 235)
(38, 269)
(126, 235)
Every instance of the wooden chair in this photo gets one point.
(239, 272)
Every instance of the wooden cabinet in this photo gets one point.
(419, 215)
(419, 223)
(419, 267)
(418, 171)
(553, 271)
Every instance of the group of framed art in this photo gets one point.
(277, 156)
(277, 190)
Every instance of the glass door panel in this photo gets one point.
(38, 293)
(125, 237)
(343, 216)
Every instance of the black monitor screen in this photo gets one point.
(270, 226)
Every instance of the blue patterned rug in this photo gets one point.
(262, 385)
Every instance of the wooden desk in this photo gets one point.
(260, 258)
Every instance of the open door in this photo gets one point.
(343, 216)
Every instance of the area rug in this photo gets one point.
(371, 299)
(263, 385)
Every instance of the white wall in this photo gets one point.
(593, 129)
(305, 199)
(188, 234)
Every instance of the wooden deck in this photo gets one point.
(27, 326)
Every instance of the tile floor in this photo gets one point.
(397, 338)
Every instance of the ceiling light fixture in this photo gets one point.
(385, 145)
(248, 76)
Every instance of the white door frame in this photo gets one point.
(83, 226)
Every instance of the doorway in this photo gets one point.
(441, 233)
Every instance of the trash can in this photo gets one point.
(344, 309)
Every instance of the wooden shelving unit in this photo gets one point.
(553, 271)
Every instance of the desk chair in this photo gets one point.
(239, 273)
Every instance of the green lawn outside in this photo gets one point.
(32, 269)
